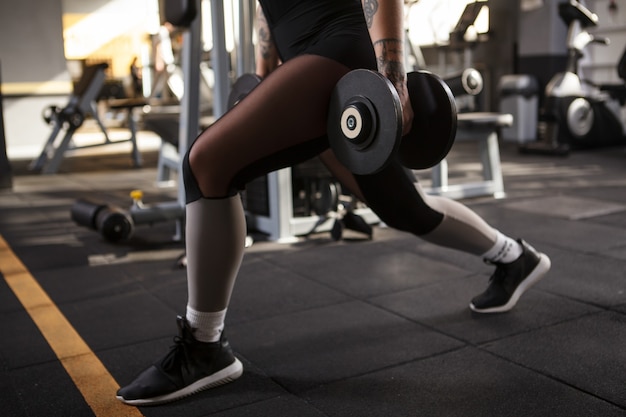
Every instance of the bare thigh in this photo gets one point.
(287, 110)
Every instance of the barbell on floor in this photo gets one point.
(365, 120)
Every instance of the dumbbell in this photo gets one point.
(365, 120)
(468, 82)
(112, 222)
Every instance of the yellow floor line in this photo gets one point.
(89, 374)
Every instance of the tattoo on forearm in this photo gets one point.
(266, 45)
(390, 47)
(394, 71)
(390, 59)
(370, 7)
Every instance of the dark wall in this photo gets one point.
(542, 42)
(498, 56)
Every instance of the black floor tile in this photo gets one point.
(587, 353)
(280, 406)
(45, 390)
(597, 279)
(8, 300)
(463, 383)
(264, 289)
(22, 344)
(445, 308)
(369, 269)
(311, 348)
(69, 284)
(116, 321)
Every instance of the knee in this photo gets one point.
(408, 215)
(418, 226)
(206, 174)
(192, 189)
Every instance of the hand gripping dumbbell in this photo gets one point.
(365, 120)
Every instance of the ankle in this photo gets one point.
(504, 251)
(207, 326)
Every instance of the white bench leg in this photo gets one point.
(168, 164)
(490, 158)
(439, 175)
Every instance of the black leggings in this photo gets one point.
(283, 122)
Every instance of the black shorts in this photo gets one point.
(335, 29)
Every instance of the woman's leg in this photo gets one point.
(267, 130)
(442, 221)
(281, 122)
(287, 109)
(403, 204)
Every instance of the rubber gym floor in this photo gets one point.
(355, 327)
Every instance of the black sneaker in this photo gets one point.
(510, 281)
(189, 367)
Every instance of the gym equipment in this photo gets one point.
(318, 193)
(112, 222)
(116, 224)
(465, 85)
(481, 127)
(467, 82)
(576, 114)
(82, 104)
(618, 91)
(365, 121)
(484, 128)
(519, 96)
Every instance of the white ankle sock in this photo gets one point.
(208, 326)
(505, 250)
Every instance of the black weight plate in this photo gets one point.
(434, 125)
(373, 88)
(114, 224)
(242, 87)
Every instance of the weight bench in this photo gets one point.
(82, 103)
(483, 128)
(166, 126)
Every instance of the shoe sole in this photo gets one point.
(540, 270)
(226, 375)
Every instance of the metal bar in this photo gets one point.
(220, 60)
(190, 103)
